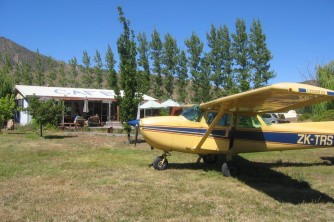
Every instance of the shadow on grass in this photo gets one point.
(261, 177)
(329, 159)
(17, 133)
(58, 136)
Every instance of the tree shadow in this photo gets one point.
(59, 136)
(261, 177)
(16, 133)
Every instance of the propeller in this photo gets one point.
(136, 135)
(135, 124)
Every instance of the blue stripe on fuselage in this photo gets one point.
(287, 138)
(186, 131)
(277, 137)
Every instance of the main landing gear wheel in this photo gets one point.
(210, 158)
(230, 169)
(160, 163)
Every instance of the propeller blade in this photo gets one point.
(136, 137)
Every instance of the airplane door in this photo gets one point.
(219, 139)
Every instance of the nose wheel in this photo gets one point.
(161, 163)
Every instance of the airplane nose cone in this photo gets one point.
(134, 122)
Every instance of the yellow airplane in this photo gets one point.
(232, 125)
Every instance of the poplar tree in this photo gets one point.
(182, 76)
(127, 51)
(74, 72)
(52, 76)
(195, 48)
(259, 56)
(215, 58)
(229, 84)
(98, 69)
(156, 52)
(18, 74)
(87, 77)
(240, 50)
(63, 79)
(40, 69)
(170, 53)
(27, 76)
(7, 106)
(205, 77)
(6, 82)
(112, 74)
(143, 75)
(324, 78)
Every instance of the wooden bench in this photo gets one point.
(62, 126)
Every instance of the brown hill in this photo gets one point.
(18, 54)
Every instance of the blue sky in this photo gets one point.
(300, 33)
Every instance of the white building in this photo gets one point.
(100, 101)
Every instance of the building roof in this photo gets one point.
(151, 104)
(69, 93)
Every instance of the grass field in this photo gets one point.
(87, 177)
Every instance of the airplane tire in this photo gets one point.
(210, 158)
(230, 169)
(159, 164)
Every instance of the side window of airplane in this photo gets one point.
(224, 121)
(248, 122)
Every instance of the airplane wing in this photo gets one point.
(279, 97)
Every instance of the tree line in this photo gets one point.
(165, 69)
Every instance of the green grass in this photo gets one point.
(87, 177)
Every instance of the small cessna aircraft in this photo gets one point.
(232, 125)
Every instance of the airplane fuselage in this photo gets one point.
(235, 134)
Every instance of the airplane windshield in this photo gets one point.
(193, 114)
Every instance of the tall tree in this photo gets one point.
(6, 81)
(63, 79)
(195, 49)
(87, 77)
(52, 76)
(112, 74)
(74, 72)
(18, 74)
(98, 69)
(325, 79)
(156, 52)
(143, 61)
(204, 80)
(170, 53)
(40, 69)
(259, 55)
(127, 51)
(215, 58)
(7, 106)
(229, 83)
(182, 76)
(240, 50)
(27, 75)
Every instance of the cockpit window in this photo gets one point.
(248, 122)
(193, 114)
(224, 121)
